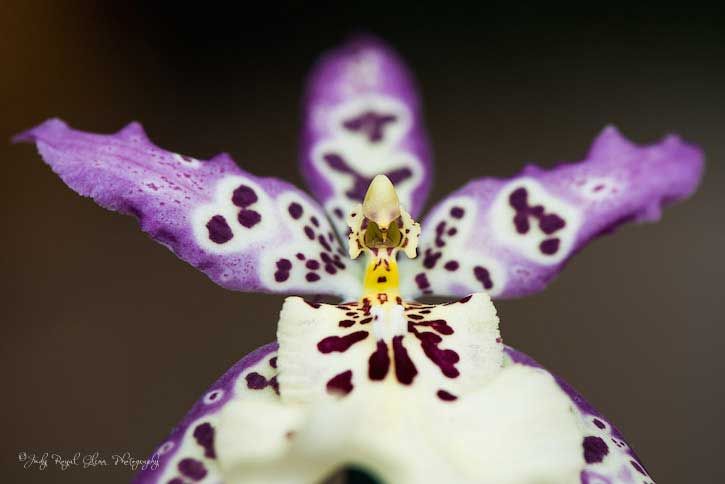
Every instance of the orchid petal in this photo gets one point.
(362, 118)
(608, 458)
(190, 453)
(246, 233)
(511, 237)
(519, 424)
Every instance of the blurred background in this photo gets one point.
(107, 339)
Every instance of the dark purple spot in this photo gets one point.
(341, 343)
(313, 305)
(370, 124)
(284, 264)
(345, 323)
(444, 359)
(452, 231)
(219, 230)
(519, 199)
(309, 232)
(330, 269)
(451, 265)
(281, 276)
(445, 396)
(551, 223)
(638, 467)
(300, 256)
(341, 383)
(274, 384)
(312, 265)
(457, 212)
(204, 436)
(481, 274)
(382, 279)
(248, 218)
(599, 423)
(439, 325)
(324, 243)
(379, 362)
(366, 320)
(314, 221)
(255, 381)
(273, 362)
(465, 299)
(244, 196)
(295, 210)
(422, 281)
(431, 258)
(416, 316)
(192, 468)
(594, 449)
(338, 213)
(176, 480)
(405, 370)
(549, 246)
(312, 277)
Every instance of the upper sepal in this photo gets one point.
(511, 237)
(245, 232)
(362, 117)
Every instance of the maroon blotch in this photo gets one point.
(204, 436)
(340, 383)
(405, 370)
(445, 396)
(219, 230)
(379, 362)
(244, 196)
(248, 218)
(595, 448)
(192, 468)
(341, 343)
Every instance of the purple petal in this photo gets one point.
(242, 231)
(362, 118)
(189, 451)
(607, 457)
(511, 237)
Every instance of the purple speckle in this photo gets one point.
(255, 381)
(457, 212)
(314, 221)
(549, 246)
(445, 396)
(249, 218)
(204, 436)
(295, 210)
(599, 423)
(312, 265)
(594, 449)
(451, 265)
(482, 275)
(192, 468)
(244, 196)
(341, 343)
(219, 230)
(379, 362)
(341, 383)
(312, 277)
(284, 264)
(309, 232)
(638, 467)
(405, 370)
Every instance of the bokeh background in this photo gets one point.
(107, 339)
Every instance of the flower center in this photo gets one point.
(380, 227)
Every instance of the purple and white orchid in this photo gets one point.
(414, 392)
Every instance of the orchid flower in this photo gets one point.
(411, 392)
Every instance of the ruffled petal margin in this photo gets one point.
(246, 233)
(511, 237)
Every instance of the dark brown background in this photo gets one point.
(107, 339)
